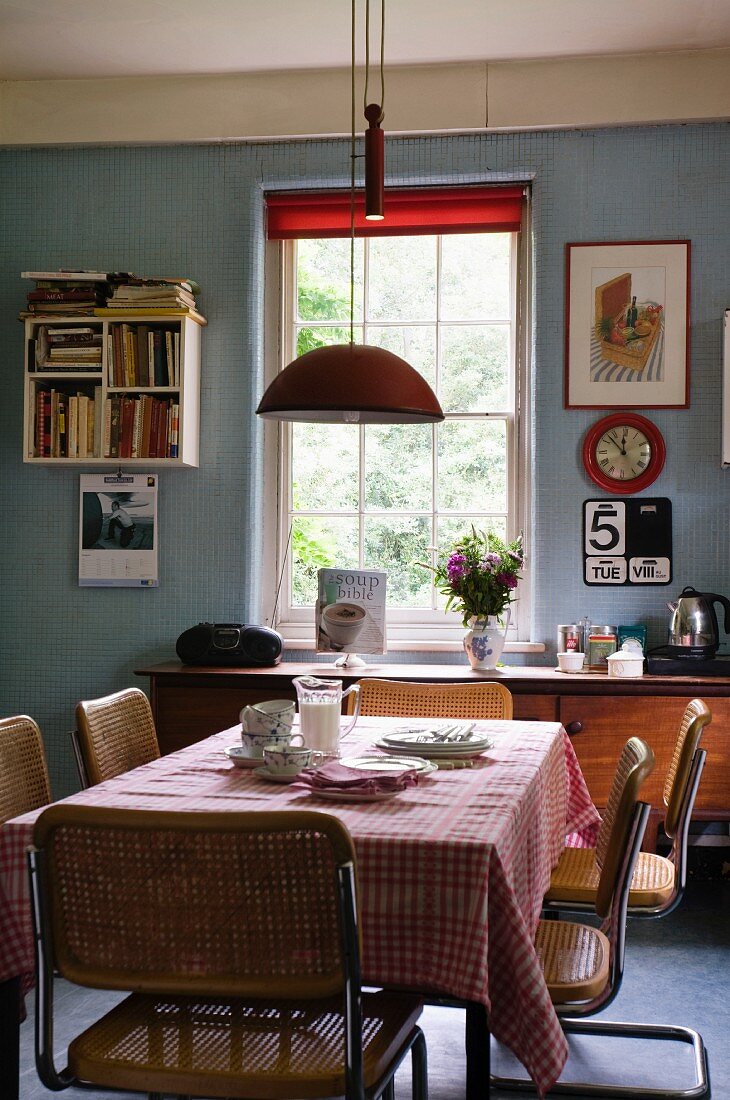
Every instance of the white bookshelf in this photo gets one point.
(180, 388)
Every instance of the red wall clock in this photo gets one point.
(623, 453)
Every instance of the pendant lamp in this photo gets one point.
(355, 383)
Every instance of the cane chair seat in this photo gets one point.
(234, 1048)
(115, 734)
(24, 783)
(400, 699)
(576, 878)
(574, 958)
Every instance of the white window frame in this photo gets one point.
(408, 628)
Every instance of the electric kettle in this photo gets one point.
(693, 629)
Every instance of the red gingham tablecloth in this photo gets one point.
(452, 872)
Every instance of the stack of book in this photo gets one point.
(67, 425)
(143, 355)
(141, 427)
(67, 292)
(154, 295)
(68, 348)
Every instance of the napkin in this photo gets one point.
(337, 777)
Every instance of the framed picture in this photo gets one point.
(627, 325)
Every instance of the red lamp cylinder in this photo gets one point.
(374, 164)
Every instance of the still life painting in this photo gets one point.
(627, 321)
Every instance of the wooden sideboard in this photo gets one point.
(190, 703)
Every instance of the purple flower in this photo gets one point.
(507, 580)
(515, 556)
(456, 567)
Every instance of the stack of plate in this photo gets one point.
(455, 742)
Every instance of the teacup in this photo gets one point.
(272, 716)
(254, 742)
(289, 760)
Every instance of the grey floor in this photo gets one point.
(677, 971)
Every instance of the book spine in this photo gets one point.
(142, 355)
(137, 429)
(47, 424)
(174, 429)
(127, 427)
(110, 360)
(83, 435)
(162, 429)
(92, 437)
(108, 428)
(38, 434)
(73, 427)
(176, 342)
(169, 359)
(62, 451)
(154, 427)
(73, 294)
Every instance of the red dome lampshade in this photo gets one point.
(350, 383)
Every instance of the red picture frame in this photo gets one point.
(610, 363)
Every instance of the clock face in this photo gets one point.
(623, 453)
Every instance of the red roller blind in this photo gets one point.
(447, 210)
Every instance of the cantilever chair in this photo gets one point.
(24, 783)
(658, 882)
(400, 699)
(113, 735)
(238, 934)
(583, 966)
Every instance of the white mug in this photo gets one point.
(254, 742)
(271, 716)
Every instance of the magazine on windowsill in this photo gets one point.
(350, 613)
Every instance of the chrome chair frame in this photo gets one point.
(572, 1016)
(78, 757)
(56, 1080)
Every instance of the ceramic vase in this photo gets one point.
(484, 640)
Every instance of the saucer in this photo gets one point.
(275, 777)
(237, 756)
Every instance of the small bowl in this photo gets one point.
(571, 661)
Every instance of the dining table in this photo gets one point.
(452, 872)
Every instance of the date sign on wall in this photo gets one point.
(627, 541)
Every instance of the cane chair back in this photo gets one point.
(583, 965)
(635, 764)
(400, 699)
(237, 933)
(115, 734)
(697, 715)
(24, 782)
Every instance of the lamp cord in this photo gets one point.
(382, 53)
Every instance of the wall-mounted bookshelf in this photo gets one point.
(106, 391)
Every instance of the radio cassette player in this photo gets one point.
(230, 644)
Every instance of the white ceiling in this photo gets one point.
(47, 39)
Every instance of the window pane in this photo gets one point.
(319, 543)
(309, 338)
(475, 277)
(398, 466)
(396, 545)
(325, 467)
(472, 466)
(402, 282)
(414, 343)
(475, 368)
(323, 280)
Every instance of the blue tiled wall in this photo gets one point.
(197, 210)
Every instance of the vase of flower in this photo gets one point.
(484, 640)
(478, 575)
